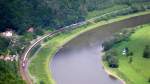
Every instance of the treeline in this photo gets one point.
(22, 14)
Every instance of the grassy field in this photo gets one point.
(137, 72)
(39, 65)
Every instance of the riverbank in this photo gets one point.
(40, 63)
(136, 71)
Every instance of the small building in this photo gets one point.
(7, 33)
(31, 29)
(1, 57)
(125, 51)
(8, 58)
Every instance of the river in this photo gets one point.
(79, 61)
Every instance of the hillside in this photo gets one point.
(23, 14)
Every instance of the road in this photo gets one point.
(24, 57)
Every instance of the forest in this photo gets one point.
(20, 15)
(9, 73)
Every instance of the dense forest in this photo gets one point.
(9, 73)
(22, 14)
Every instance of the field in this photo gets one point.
(137, 72)
(39, 65)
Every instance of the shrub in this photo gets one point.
(149, 79)
(42, 82)
(130, 54)
(107, 44)
(130, 60)
(4, 43)
(111, 59)
(146, 53)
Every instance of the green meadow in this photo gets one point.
(138, 71)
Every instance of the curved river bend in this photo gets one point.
(79, 61)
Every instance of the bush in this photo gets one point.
(130, 54)
(149, 79)
(107, 44)
(146, 53)
(130, 60)
(111, 59)
(42, 82)
(4, 43)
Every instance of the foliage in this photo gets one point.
(149, 80)
(23, 14)
(122, 9)
(146, 53)
(110, 55)
(117, 38)
(111, 59)
(4, 43)
(8, 73)
(130, 60)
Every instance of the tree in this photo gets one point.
(130, 60)
(113, 61)
(146, 53)
(4, 43)
(149, 79)
(42, 82)
(108, 44)
(21, 14)
(111, 58)
(9, 73)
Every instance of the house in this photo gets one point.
(1, 57)
(125, 51)
(31, 29)
(9, 58)
(7, 33)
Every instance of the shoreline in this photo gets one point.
(114, 75)
(109, 72)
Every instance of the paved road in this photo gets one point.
(24, 57)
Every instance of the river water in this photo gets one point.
(79, 61)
